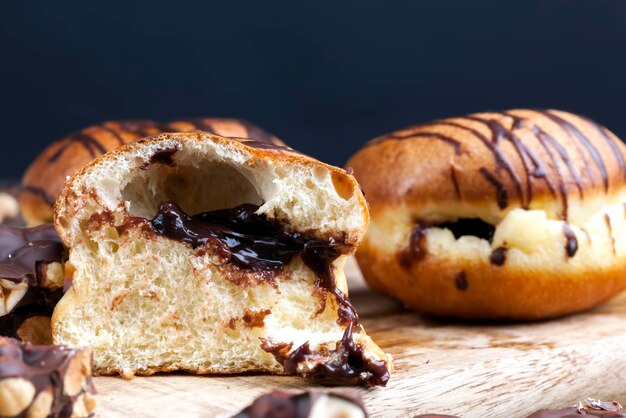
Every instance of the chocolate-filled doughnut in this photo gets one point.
(517, 214)
(214, 255)
(47, 174)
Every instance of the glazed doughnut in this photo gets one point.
(47, 174)
(517, 214)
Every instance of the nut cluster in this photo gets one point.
(45, 381)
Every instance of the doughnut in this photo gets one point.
(214, 255)
(31, 281)
(518, 215)
(45, 381)
(43, 180)
(311, 404)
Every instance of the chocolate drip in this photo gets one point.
(163, 156)
(571, 243)
(470, 227)
(416, 250)
(252, 242)
(617, 152)
(607, 220)
(498, 256)
(502, 196)
(573, 132)
(45, 366)
(461, 281)
(349, 361)
(455, 181)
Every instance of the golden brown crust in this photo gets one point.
(488, 166)
(479, 289)
(257, 149)
(47, 174)
(514, 158)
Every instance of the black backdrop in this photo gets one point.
(325, 76)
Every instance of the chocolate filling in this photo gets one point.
(252, 242)
(350, 362)
(45, 366)
(470, 227)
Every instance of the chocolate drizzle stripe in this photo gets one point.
(609, 226)
(501, 192)
(573, 132)
(498, 133)
(571, 242)
(546, 144)
(115, 134)
(610, 141)
(540, 170)
(455, 181)
(500, 159)
(448, 140)
(545, 138)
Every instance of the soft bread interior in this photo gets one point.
(147, 303)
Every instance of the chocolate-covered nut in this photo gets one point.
(31, 280)
(16, 394)
(313, 404)
(588, 407)
(44, 381)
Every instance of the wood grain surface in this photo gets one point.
(471, 370)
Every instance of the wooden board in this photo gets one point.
(472, 370)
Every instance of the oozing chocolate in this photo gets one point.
(46, 368)
(470, 227)
(349, 362)
(252, 242)
(589, 407)
(416, 250)
(279, 404)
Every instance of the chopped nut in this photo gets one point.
(84, 405)
(53, 276)
(76, 377)
(40, 407)
(10, 295)
(16, 394)
(36, 330)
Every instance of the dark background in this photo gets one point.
(325, 76)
